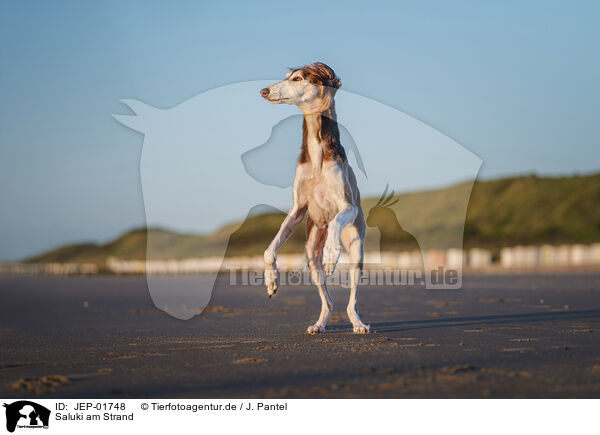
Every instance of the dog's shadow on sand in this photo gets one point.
(499, 319)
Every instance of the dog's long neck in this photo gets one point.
(321, 138)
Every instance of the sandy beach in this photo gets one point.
(500, 336)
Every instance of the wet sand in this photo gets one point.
(500, 336)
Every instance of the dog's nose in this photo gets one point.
(264, 92)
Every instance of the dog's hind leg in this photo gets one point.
(314, 257)
(352, 239)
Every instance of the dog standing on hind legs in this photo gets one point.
(324, 187)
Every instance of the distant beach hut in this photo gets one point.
(549, 255)
(596, 253)
(479, 258)
(526, 256)
(584, 255)
(507, 257)
(563, 255)
(410, 260)
(455, 259)
(435, 258)
(578, 255)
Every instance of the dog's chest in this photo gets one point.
(320, 207)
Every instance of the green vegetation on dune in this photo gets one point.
(505, 212)
(534, 210)
(251, 238)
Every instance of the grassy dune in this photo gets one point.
(509, 211)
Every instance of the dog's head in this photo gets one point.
(311, 87)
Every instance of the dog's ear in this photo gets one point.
(324, 75)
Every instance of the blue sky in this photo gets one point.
(514, 82)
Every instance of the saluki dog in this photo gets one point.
(324, 187)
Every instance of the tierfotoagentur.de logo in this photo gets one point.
(25, 414)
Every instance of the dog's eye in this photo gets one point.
(297, 78)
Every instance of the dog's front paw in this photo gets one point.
(315, 329)
(361, 328)
(271, 281)
(331, 255)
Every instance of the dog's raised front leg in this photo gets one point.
(340, 193)
(288, 226)
(332, 250)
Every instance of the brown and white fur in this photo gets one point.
(324, 187)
